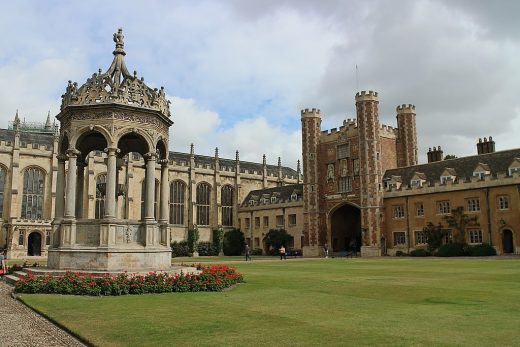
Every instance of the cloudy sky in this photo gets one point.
(238, 72)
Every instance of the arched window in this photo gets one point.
(101, 184)
(2, 186)
(33, 189)
(227, 205)
(177, 196)
(203, 200)
(156, 200)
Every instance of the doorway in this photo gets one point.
(507, 241)
(34, 244)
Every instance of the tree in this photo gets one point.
(450, 156)
(434, 236)
(276, 238)
(193, 239)
(459, 221)
(234, 242)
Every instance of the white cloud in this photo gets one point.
(192, 125)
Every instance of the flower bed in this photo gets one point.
(211, 279)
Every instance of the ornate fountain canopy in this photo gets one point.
(117, 86)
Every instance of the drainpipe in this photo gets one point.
(488, 211)
(407, 224)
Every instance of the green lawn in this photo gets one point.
(327, 302)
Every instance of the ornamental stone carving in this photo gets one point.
(116, 85)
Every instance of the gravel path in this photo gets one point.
(20, 326)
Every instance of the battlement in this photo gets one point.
(366, 96)
(348, 125)
(405, 108)
(387, 130)
(314, 112)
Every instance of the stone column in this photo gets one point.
(60, 187)
(71, 184)
(150, 186)
(110, 199)
(164, 190)
(79, 190)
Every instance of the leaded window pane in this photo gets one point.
(33, 191)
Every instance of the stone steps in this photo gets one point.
(11, 279)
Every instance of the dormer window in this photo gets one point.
(251, 202)
(448, 175)
(265, 201)
(514, 167)
(273, 199)
(415, 183)
(294, 197)
(417, 180)
(481, 171)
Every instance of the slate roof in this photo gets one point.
(41, 138)
(498, 162)
(282, 194)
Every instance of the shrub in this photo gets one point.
(193, 240)
(257, 251)
(218, 240)
(180, 249)
(211, 278)
(276, 238)
(455, 249)
(482, 250)
(420, 253)
(401, 254)
(206, 249)
(13, 268)
(233, 242)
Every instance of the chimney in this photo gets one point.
(484, 147)
(435, 154)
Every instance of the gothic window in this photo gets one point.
(33, 190)
(101, 184)
(344, 185)
(227, 205)
(21, 238)
(177, 200)
(203, 202)
(343, 151)
(2, 186)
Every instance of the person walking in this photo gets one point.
(282, 252)
(326, 250)
(2, 261)
(248, 253)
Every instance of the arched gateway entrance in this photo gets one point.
(345, 226)
(34, 244)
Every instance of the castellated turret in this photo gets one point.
(406, 144)
(311, 126)
(370, 175)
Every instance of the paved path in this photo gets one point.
(20, 326)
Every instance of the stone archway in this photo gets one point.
(507, 241)
(34, 244)
(345, 227)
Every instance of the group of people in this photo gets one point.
(281, 251)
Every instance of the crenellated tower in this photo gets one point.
(406, 144)
(311, 127)
(370, 173)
